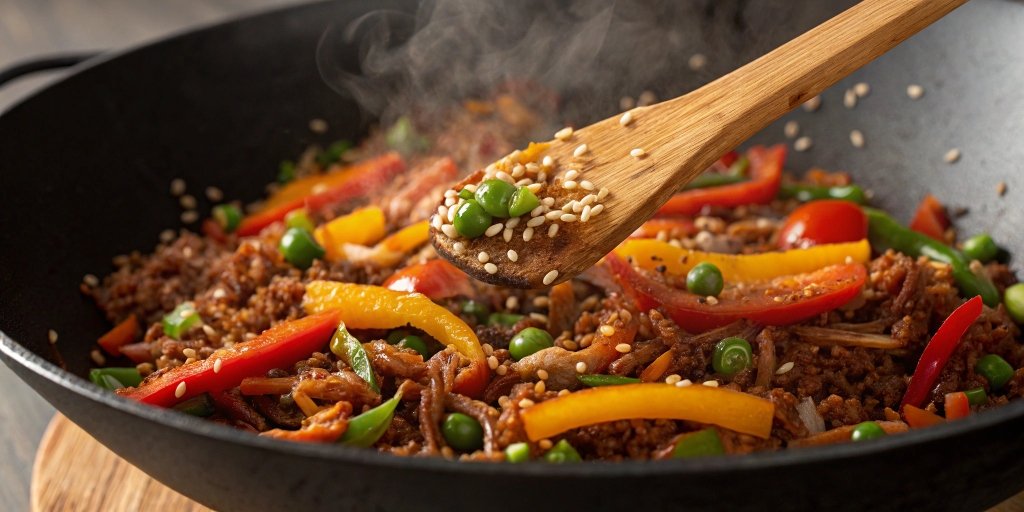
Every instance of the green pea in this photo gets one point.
(506, 319)
(228, 216)
(731, 356)
(523, 202)
(705, 279)
(494, 196)
(179, 321)
(416, 343)
(478, 310)
(867, 430)
(561, 453)
(462, 432)
(517, 452)
(980, 247)
(299, 219)
(300, 248)
(1014, 301)
(333, 153)
(995, 369)
(701, 443)
(529, 341)
(976, 396)
(395, 336)
(595, 380)
(471, 220)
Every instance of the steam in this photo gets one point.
(593, 53)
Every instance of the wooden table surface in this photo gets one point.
(33, 27)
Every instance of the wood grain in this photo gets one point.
(685, 135)
(75, 472)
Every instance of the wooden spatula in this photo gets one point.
(644, 159)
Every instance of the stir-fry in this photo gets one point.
(760, 309)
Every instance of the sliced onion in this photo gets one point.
(825, 336)
(809, 415)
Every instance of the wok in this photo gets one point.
(87, 162)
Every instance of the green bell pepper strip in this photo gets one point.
(714, 180)
(701, 443)
(804, 193)
(199, 405)
(506, 319)
(885, 233)
(594, 380)
(364, 430)
(350, 350)
(115, 378)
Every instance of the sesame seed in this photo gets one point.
(518, 171)
(177, 187)
(568, 207)
(491, 268)
(539, 387)
(569, 185)
(626, 119)
(585, 216)
(550, 277)
(542, 177)
(97, 357)
(606, 330)
(52, 334)
(548, 201)
(450, 201)
(601, 194)
(527, 234)
(803, 144)
(626, 103)
(567, 217)
(166, 235)
(915, 91)
(552, 230)
(564, 134)
(513, 222)
(588, 199)
(450, 193)
(564, 392)
(483, 257)
(504, 176)
(711, 383)
(449, 231)
(214, 194)
(697, 62)
(507, 235)
(623, 348)
(534, 187)
(435, 221)
(536, 212)
(861, 89)
(442, 210)
(459, 247)
(539, 317)
(189, 353)
(812, 104)
(672, 379)
(189, 216)
(857, 139)
(501, 370)
(492, 362)
(547, 161)
(210, 331)
(571, 174)
(849, 99)
(91, 280)
(541, 301)
(471, 187)
(683, 383)
(552, 215)
(711, 299)
(1001, 188)
(646, 98)
(545, 444)
(219, 293)
(180, 390)
(580, 150)
(637, 153)
(786, 367)
(526, 402)
(581, 367)
(494, 230)
(187, 202)
(317, 125)
(513, 256)
(791, 129)
(951, 156)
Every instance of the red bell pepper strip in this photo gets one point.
(957, 406)
(673, 227)
(765, 179)
(369, 176)
(937, 351)
(781, 301)
(930, 218)
(436, 279)
(121, 335)
(280, 346)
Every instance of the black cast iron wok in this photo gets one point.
(84, 170)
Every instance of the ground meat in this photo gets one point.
(618, 440)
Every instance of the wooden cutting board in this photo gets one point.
(73, 471)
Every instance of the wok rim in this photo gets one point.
(16, 353)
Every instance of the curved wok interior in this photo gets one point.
(87, 162)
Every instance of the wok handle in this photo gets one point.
(43, 63)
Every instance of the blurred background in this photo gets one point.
(30, 28)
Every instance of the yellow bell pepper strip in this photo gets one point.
(374, 307)
(318, 191)
(278, 347)
(725, 408)
(363, 227)
(650, 254)
(391, 250)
